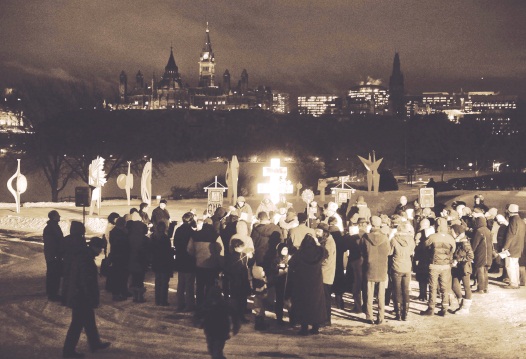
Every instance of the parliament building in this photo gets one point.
(169, 92)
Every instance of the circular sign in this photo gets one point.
(121, 181)
(307, 196)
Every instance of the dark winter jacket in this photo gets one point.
(218, 315)
(237, 272)
(515, 236)
(464, 256)
(375, 250)
(207, 248)
(82, 279)
(266, 237)
(441, 248)
(162, 253)
(139, 246)
(481, 236)
(343, 244)
(355, 246)
(402, 250)
(422, 253)
(305, 279)
(120, 248)
(184, 262)
(159, 214)
(53, 237)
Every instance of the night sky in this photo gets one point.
(304, 47)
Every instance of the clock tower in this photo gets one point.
(207, 63)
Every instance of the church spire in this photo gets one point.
(396, 89)
(207, 63)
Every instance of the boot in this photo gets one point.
(339, 302)
(397, 308)
(135, 293)
(429, 312)
(140, 295)
(443, 311)
(464, 308)
(260, 323)
(405, 311)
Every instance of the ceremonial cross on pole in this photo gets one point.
(276, 184)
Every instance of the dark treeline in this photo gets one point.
(65, 144)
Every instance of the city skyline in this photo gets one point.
(303, 47)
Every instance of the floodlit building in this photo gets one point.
(368, 99)
(319, 105)
(170, 92)
(280, 102)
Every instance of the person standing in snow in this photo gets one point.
(53, 236)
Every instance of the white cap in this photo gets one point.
(513, 208)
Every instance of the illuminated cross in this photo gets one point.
(277, 184)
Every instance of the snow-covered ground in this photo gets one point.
(32, 327)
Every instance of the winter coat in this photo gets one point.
(522, 259)
(70, 246)
(422, 254)
(464, 256)
(242, 234)
(266, 207)
(53, 237)
(375, 250)
(515, 236)
(162, 253)
(359, 210)
(328, 266)
(139, 246)
(245, 212)
(207, 248)
(355, 242)
(441, 248)
(184, 262)
(159, 214)
(218, 219)
(402, 250)
(217, 318)
(297, 234)
(306, 281)
(343, 244)
(120, 248)
(82, 279)
(481, 237)
(266, 237)
(237, 272)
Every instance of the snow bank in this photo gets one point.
(28, 224)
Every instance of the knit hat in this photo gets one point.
(376, 221)
(513, 208)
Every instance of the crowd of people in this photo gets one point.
(288, 260)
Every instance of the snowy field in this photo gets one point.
(32, 327)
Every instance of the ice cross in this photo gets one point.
(277, 184)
